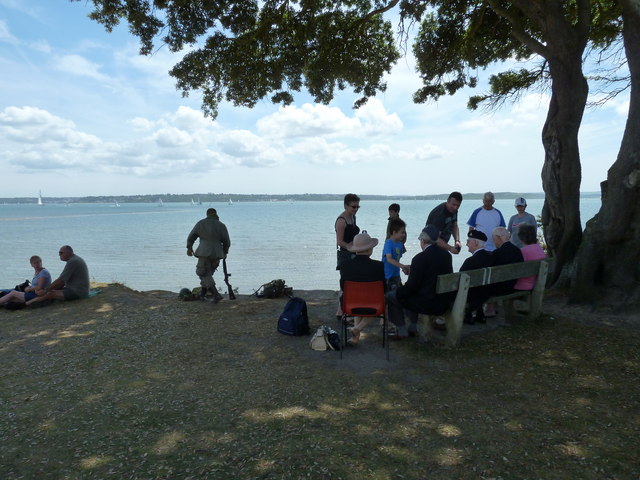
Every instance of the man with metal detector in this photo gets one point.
(213, 246)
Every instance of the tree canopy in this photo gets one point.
(243, 50)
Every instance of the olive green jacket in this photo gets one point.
(214, 238)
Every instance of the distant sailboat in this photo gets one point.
(160, 204)
(40, 198)
(193, 203)
(115, 203)
(230, 202)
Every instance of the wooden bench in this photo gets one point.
(461, 282)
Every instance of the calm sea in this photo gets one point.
(143, 245)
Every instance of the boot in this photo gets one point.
(217, 297)
(203, 292)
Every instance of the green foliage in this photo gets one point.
(243, 51)
(457, 38)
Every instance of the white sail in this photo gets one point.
(40, 198)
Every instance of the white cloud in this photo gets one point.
(5, 35)
(80, 66)
(330, 122)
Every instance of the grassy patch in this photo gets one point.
(141, 385)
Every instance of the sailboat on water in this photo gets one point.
(40, 203)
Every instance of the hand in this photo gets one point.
(406, 269)
(189, 252)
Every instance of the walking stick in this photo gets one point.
(232, 295)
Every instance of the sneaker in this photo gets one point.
(439, 324)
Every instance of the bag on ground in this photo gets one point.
(319, 341)
(294, 320)
(273, 289)
(325, 338)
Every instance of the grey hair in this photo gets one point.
(489, 195)
(501, 232)
(425, 236)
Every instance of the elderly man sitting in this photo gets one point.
(480, 258)
(505, 253)
(418, 294)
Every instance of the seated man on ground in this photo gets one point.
(73, 282)
(530, 251)
(418, 294)
(505, 253)
(41, 279)
(361, 269)
(480, 258)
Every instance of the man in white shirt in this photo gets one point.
(486, 218)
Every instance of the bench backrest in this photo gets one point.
(489, 275)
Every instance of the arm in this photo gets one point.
(190, 240)
(39, 286)
(226, 242)
(472, 219)
(340, 227)
(57, 284)
(395, 263)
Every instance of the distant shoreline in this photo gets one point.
(260, 197)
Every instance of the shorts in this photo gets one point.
(29, 296)
(70, 294)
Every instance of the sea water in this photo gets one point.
(143, 245)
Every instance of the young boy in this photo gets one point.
(392, 252)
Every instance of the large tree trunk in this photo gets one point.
(561, 173)
(608, 262)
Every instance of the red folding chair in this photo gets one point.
(364, 299)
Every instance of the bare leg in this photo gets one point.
(52, 295)
(12, 296)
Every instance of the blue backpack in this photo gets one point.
(293, 320)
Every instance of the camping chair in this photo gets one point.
(364, 299)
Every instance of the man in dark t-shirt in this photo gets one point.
(445, 218)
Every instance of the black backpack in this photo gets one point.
(294, 320)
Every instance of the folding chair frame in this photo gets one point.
(364, 299)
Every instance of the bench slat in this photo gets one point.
(489, 275)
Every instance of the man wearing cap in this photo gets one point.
(486, 218)
(361, 269)
(418, 294)
(479, 258)
(445, 218)
(521, 218)
(214, 245)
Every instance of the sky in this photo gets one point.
(82, 113)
